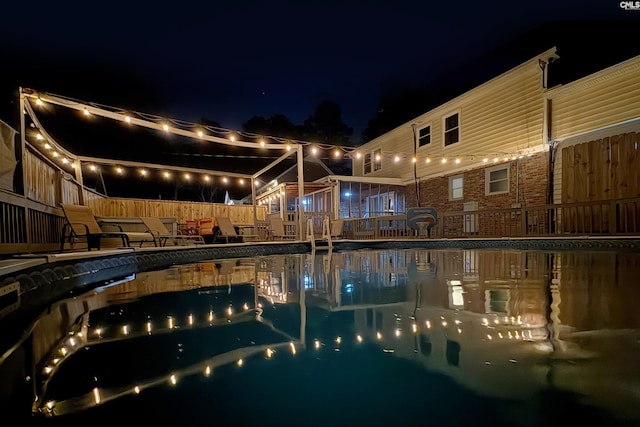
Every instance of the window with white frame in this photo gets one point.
(372, 161)
(451, 129)
(424, 136)
(377, 159)
(496, 180)
(367, 163)
(456, 184)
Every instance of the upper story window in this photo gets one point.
(367, 162)
(456, 185)
(372, 161)
(496, 180)
(451, 129)
(424, 136)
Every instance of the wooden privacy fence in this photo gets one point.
(183, 211)
(602, 169)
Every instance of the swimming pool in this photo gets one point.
(354, 337)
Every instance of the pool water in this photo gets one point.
(364, 337)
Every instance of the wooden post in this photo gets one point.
(300, 193)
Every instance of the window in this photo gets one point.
(424, 136)
(381, 204)
(451, 129)
(377, 159)
(455, 187)
(367, 163)
(372, 161)
(496, 180)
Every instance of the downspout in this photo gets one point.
(415, 173)
(551, 166)
(552, 148)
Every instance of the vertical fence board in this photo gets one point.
(615, 166)
(632, 158)
(568, 175)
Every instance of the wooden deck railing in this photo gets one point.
(32, 223)
(28, 226)
(615, 217)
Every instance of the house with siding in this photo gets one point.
(513, 142)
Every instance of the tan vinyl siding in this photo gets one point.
(398, 141)
(605, 98)
(502, 116)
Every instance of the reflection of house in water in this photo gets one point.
(358, 279)
(503, 323)
(470, 315)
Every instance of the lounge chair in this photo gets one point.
(226, 232)
(81, 223)
(277, 230)
(161, 234)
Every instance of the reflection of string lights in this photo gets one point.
(100, 396)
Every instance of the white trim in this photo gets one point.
(418, 129)
(444, 128)
(487, 175)
(631, 125)
(450, 191)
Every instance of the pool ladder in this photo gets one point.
(326, 234)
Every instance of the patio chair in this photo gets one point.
(226, 232)
(206, 229)
(81, 223)
(277, 230)
(161, 234)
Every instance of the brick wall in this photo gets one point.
(528, 186)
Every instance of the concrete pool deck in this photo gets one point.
(17, 263)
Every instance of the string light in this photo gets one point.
(261, 140)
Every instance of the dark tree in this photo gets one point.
(400, 101)
(325, 126)
(277, 125)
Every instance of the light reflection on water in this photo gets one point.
(553, 335)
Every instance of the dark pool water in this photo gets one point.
(369, 337)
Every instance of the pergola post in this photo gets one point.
(300, 193)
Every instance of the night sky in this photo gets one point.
(229, 61)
